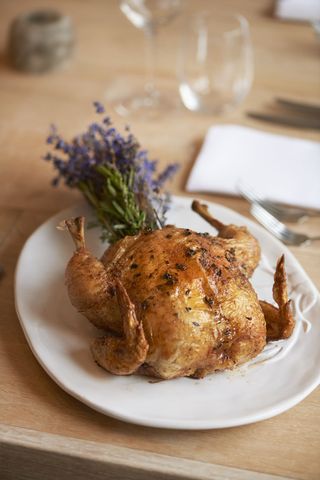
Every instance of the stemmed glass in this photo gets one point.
(148, 15)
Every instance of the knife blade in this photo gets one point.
(299, 106)
(306, 123)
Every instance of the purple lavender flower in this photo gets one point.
(167, 173)
(99, 107)
(101, 154)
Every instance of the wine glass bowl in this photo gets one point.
(150, 13)
(215, 64)
(149, 16)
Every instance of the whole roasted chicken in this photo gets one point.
(174, 302)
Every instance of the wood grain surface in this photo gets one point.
(44, 429)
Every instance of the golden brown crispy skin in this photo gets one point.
(187, 293)
(193, 301)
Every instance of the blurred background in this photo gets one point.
(107, 63)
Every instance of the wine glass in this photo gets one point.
(215, 65)
(148, 15)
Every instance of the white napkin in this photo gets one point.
(304, 10)
(283, 169)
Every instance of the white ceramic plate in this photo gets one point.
(280, 377)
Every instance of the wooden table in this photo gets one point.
(45, 433)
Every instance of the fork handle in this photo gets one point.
(315, 238)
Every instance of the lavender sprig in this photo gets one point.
(115, 175)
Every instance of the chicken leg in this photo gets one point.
(122, 355)
(238, 240)
(88, 283)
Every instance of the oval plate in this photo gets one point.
(280, 377)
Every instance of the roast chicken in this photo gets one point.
(174, 302)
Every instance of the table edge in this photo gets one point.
(21, 449)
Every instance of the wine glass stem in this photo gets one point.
(151, 60)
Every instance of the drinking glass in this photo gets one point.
(148, 15)
(215, 64)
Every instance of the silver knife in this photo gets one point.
(307, 123)
(307, 108)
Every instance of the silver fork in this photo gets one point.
(278, 229)
(281, 212)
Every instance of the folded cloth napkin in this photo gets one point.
(280, 168)
(304, 10)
